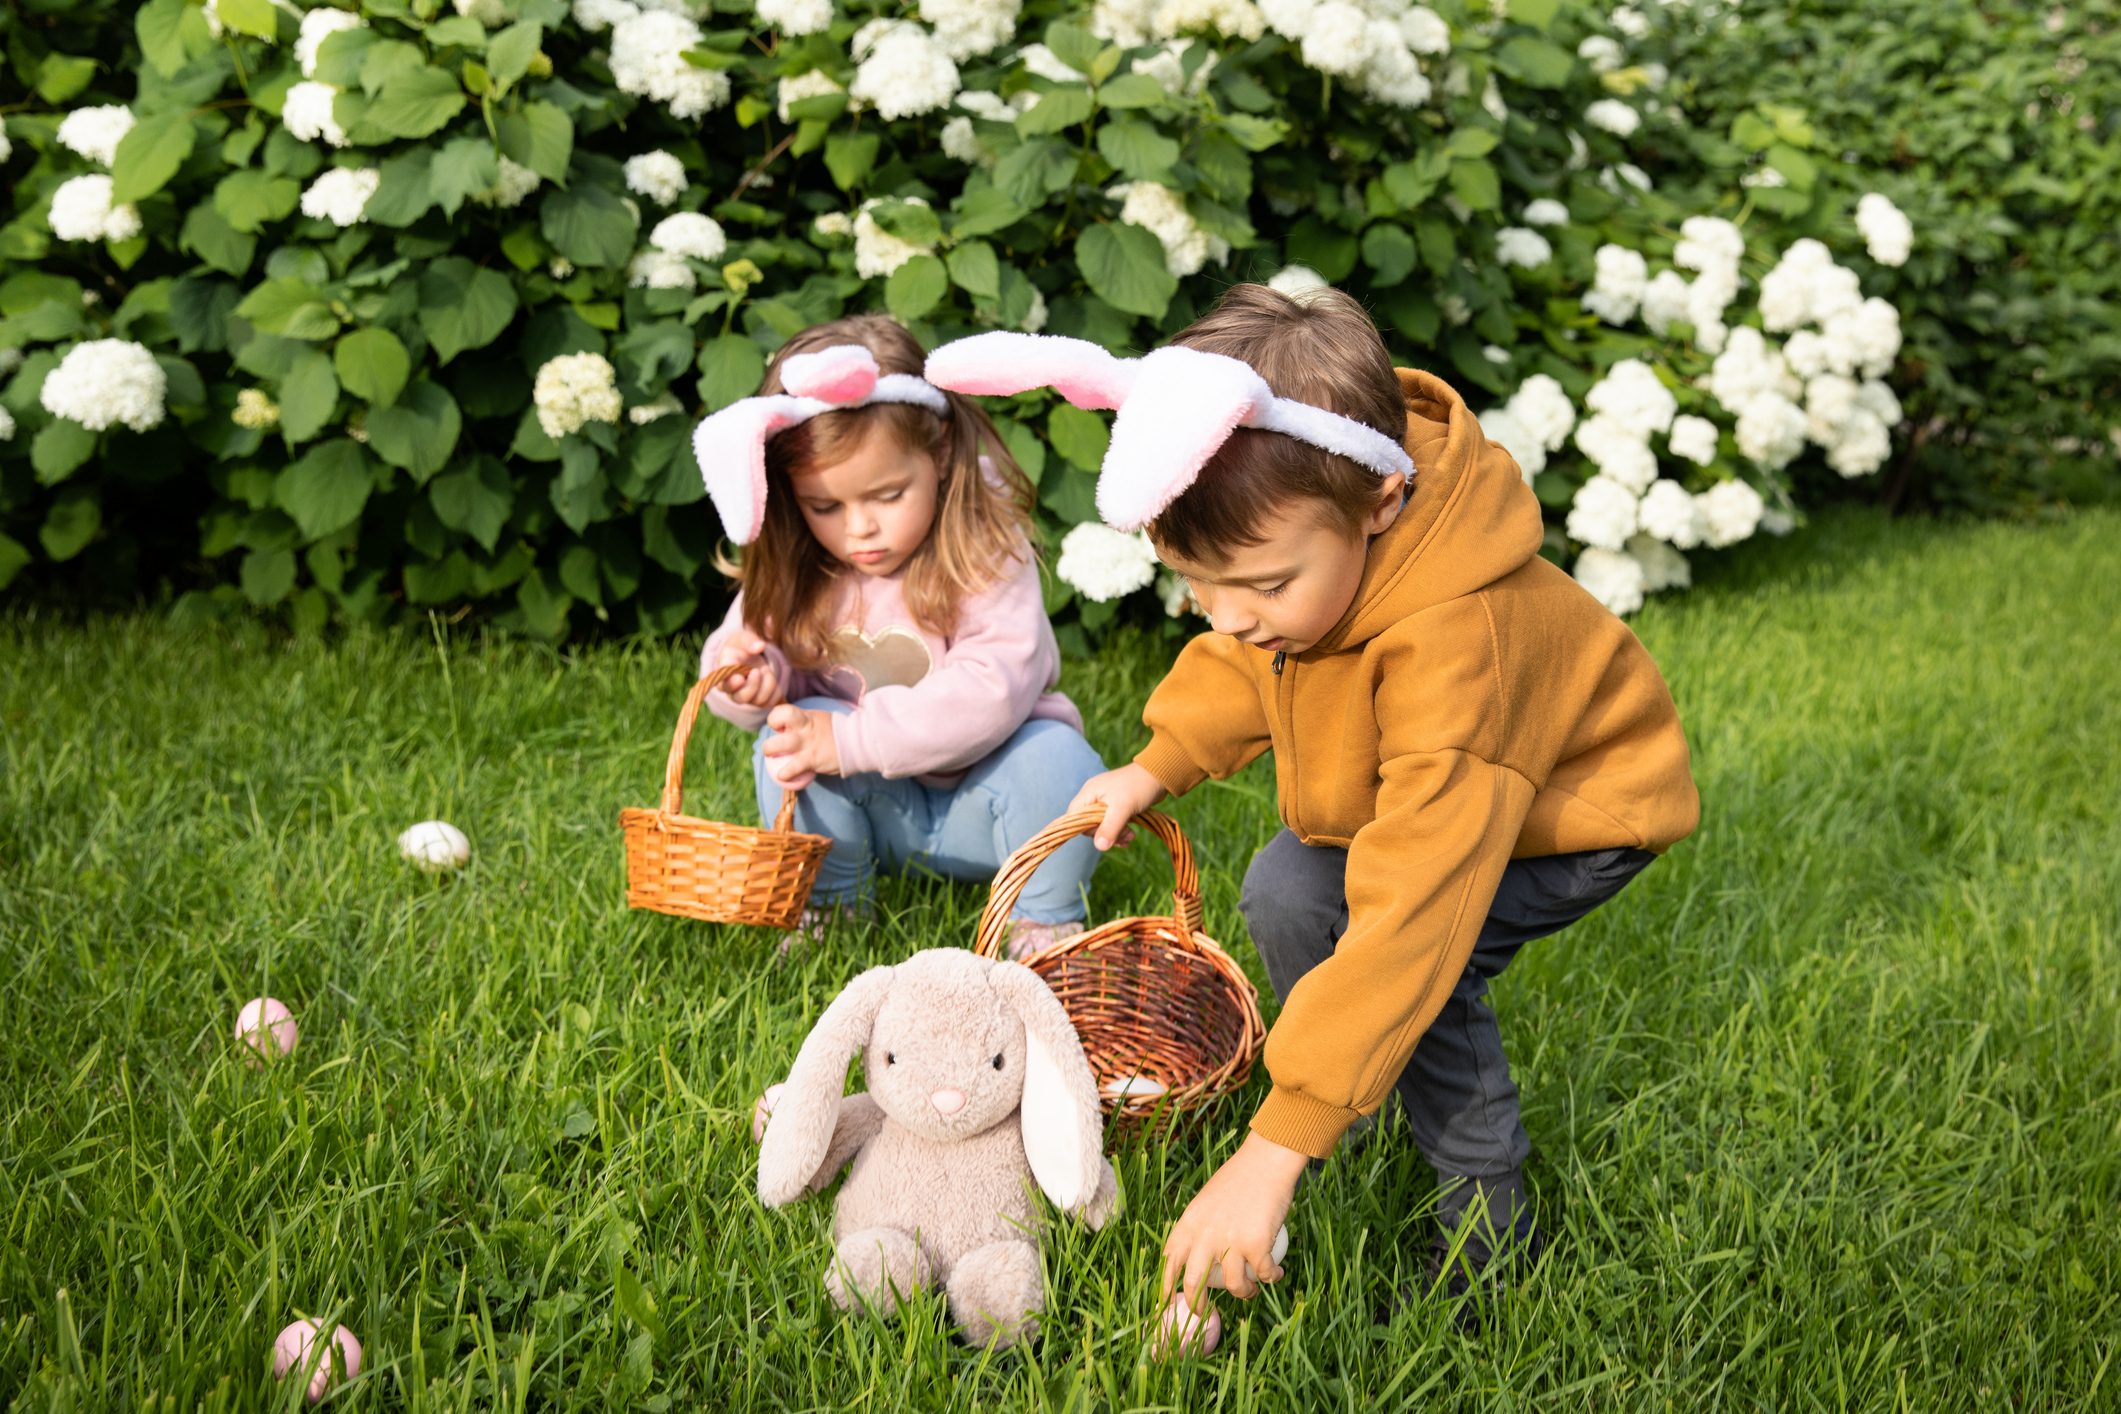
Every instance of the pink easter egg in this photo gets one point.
(763, 1110)
(267, 1028)
(290, 1351)
(1181, 1331)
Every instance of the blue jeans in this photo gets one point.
(964, 831)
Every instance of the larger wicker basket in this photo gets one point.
(676, 863)
(1153, 999)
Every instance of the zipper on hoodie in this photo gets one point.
(1279, 658)
(1284, 696)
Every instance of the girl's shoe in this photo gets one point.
(810, 928)
(1027, 937)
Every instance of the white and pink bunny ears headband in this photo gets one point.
(1177, 406)
(731, 445)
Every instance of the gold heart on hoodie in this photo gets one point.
(891, 657)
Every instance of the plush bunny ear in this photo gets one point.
(1001, 363)
(1064, 1130)
(731, 448)
(809, 1108)
(844, 373)
(1184, 406)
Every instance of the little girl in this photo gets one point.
(894, 652)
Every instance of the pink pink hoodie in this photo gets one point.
(925, 706)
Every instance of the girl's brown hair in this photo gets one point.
(983, 525)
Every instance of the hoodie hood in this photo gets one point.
(1469, 521)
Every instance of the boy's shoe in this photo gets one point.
(1473, 1277)
(1027, 937)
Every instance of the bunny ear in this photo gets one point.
(1184, 405)
(844, 373)
(731, 449)
(809, 1108)
(1064, 1130)
(1001, 363)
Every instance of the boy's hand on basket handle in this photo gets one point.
(1124, 793)
(1232, 1222)
(756, 684)
(802, 747)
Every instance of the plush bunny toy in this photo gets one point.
(977, 1087)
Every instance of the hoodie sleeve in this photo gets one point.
(1000, 662)
(720, 703)
(1421, 877)
(1205, 718)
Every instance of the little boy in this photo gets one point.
(1469, 753)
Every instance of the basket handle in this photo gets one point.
(1009, 883)
(674, 772)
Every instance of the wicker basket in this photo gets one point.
(714, 872)
(1152, 998)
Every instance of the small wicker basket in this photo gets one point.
(718, 873)
(1153, 999)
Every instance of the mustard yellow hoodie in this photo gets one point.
(1474, 705)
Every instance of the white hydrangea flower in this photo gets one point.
(1390, 73)
(1036, 316)
(689, 233)
(490, 13)
(648, 58)
(1123, 22)
(515, 183)
(1634, 396)
(1338, 39)
(1425, 31)
(1864, 339)
(105, 382)
(1829, 399)
(559, 267)
(1764, 177)
(1664, 301)
(1862, 446)
(1621, 453)
(903, 70)
(1887, 233)
(341, 194)
(1546, 212)
(94, 133)
(660, 270)
(876, 251)
(1602, 52)
(1614, 116)
(831, 224)
(1239, 19)
(1579, 151)
(306, 112)
(255, 410)
(967, 29)
(574, 389)
(1662, 566)
(1693, 438)
(1747, 368)
(797, 87)
(317, 25)
(961, 143)
(1508, 431)
(1730, 512)
(1290, 19)
(599, 15)
(1629, 21)
(1162, 211)
(7, 149)
(82, 211)
(7, 419)
(1624, 174)
(1495, 353)
(657, 175)
(796, 17)
(1777, 521)
(1520, 245)
(1880, 402)
(1708, 243)
(1770, 430)
(1613, 577)
(1043, 63)
(1670, 514)
(1293, 280)
(1622, 276)
(1541, 405)
(1491, 102)
(1806, 286)
(642, 414)
(1105, 564)
(1176, 594)
(1602, 513)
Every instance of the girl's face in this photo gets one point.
(873, 508)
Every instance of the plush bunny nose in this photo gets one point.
(948, 1102)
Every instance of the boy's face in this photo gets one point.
(1287, 592)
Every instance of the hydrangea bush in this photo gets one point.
(349, 312)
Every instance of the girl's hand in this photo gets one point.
(757, 685)
(1125, 793)
(802, 747)
(1231, 1222)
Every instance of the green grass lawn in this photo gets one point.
(1826, 1107)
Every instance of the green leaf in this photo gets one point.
(1061, 109)
(290, 307)
(1327, 249)
(199, 310)
(731, 367)
(1439, 249)
(1073, 45)
(464, 307)
(167, 40)
(983, 210)
(1535, 61)
(326, 489)
(381, 60)
(916, 287)
(1411, 183)
(60, 449)
(1136, 148)
(1029, 172)
(509, 53)
(268, 575)
(71, 523)
(1472, 142)
(974, 268)
(418, 431)
(253, 17)
(916, 224)
(1749, 131)
(1124, 264)
(475, 500)
(633, 1300)
(416, 102)
(1024, 446)
(1475, 182)
(1795, 165)
(405, 191)
(589, 225)
(1389, 252)
(461, 167)
(60, 77)
(1536, 13)
(250, 199)
(1255, 134)
(540, 137)
(149, 155)
(849, 156)
(309, 394)
(372, 364)
(1079, 436)
(13, 559)
(1132, 91)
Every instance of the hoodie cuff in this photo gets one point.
(1174, 770)
(1296, 1121)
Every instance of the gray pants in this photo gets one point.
(1456, 1089)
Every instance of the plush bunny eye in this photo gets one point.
(997, 1060)
(890, 1059)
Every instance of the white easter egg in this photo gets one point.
(1129, 1085)
(764, 1109)
(1182, 1331)
(1279, 1250)
(435, 846)
(267, 1028)
(290, 1351)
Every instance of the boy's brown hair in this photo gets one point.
(983, 524)
(1318, 347)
